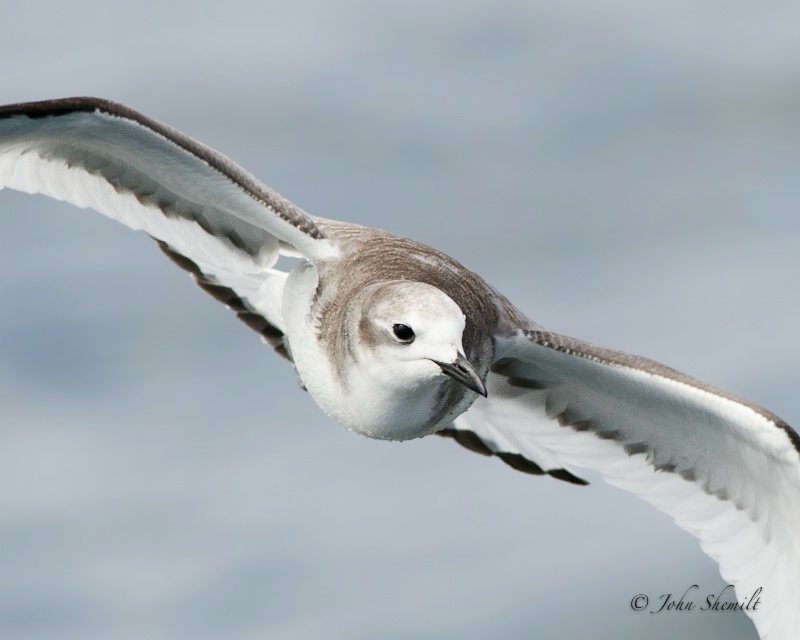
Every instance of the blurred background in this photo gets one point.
(625, 172)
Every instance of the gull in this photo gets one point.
(396, 340)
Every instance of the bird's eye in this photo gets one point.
(403, 333)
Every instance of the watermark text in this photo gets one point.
(692, 599)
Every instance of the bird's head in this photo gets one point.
(412, 333)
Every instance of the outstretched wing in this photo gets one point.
(209, 215)
(726, 470)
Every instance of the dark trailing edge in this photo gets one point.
(470, 440)
(227, 296)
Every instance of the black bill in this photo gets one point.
(463, 371)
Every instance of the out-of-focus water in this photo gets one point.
(625, 173)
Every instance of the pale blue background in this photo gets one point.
(625, 172)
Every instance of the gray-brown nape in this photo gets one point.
(472, 441)
(227, 296)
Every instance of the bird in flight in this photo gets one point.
(396, 340)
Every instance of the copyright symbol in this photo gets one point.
(639, 602)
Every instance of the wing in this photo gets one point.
(726, 470)
(209, 215)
